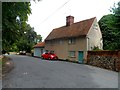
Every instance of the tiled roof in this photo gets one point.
(75, 30)
(41, 44)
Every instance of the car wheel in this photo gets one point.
(42, 57)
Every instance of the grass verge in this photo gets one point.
(6, 65)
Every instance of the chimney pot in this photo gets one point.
(69, 20)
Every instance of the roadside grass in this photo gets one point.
(0, 67)
(0, 62)
(6, 65)
(3, 60)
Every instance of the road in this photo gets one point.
(30, 72)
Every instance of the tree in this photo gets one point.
(116, 12)
(106, 25)
(110, 27)
(27, 39)
(17, 34)
(38, 38)
(30, 34)
(11, 25)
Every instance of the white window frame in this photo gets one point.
(72, 54)
(71, 41)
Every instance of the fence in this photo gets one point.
(104, 59)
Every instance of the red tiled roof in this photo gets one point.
(41, 44)
(76, 29)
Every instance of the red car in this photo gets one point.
(49, 56)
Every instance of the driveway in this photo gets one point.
(30, 72)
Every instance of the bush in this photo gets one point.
(96, 48)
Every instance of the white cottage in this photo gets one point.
(39, 49)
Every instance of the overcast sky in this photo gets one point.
(49, 14)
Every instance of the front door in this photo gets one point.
(80, 57)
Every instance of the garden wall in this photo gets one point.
(104, 59)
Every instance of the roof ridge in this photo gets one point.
(76, 29)
(40, 44)
(76, 22)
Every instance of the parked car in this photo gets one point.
(22, 53)
(49, 56)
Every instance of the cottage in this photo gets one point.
(73, 40)
(39, 49)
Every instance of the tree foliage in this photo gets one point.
(27, 40)
(17, 35)
(11, 27)
(116, 12)
(110, 27)
(38, 38)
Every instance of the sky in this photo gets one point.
(49, 14)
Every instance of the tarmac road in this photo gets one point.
(30, 72)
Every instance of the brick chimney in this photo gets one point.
(69, 20)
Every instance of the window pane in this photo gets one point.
(46, 51)
(72, 53)
(61, 41)
(71, 41)
(51, 51)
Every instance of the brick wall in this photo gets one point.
(104, 59)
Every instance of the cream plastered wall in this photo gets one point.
(61, 47)
(94, 37)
